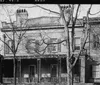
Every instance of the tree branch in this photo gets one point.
(6, 44)
(48, 9)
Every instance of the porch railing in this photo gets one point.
(9, 80)
(56, 80)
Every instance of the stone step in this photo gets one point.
(83, 83)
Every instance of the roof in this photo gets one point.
(93, 20)
(42, 22)
(48, 21)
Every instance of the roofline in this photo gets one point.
(41, 28)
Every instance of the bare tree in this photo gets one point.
(67, 15)
(15, 37)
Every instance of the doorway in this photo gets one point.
(54, 70)
(32, 72)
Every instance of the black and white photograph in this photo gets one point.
(49, 44)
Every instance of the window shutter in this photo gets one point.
(10, 43)
(37, 45)
(82, 42)
(49, 47)
(6, 49)
(95, 41)
(59, 45)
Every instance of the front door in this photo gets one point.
(32, 72)
(54, 70)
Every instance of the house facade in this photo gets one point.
(41, 54)
(92, 46)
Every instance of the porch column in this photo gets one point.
(59, 69)
(82, 69)
(39, 69)
(19, 70)
(1, 76)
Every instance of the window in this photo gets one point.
(32, 45)
(37, 45)
(10, 44)
(6, 48)
(95, 41)
(54, 47)
(77, 43)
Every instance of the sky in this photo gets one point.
(34, 11)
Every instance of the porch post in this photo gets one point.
(39, 69)
(82, 69)
(1, 76)
(59, 69)
(19, 70)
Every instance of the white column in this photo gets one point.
(82, 69)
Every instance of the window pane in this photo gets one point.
(10, 45)
(77, 47)
(53, 47)
(95, 41)
(77, 41)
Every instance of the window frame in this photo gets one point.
(95, 41)
(57, 46)
(77, 45)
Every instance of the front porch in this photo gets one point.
(40, 71)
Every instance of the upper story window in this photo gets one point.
(8, 46)
(54, 47)
(95, 41)
(77, 43)
(10, 43)
(32, 45)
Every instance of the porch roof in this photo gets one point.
(37, 56)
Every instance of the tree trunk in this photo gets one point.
(14, 61)
(68, 52)
(39, 69)
(14, 57)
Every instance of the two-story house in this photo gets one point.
(37, 58)
(93, 48)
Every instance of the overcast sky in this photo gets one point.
(34, 11)
(37, 12)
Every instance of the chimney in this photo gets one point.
(21, 16)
